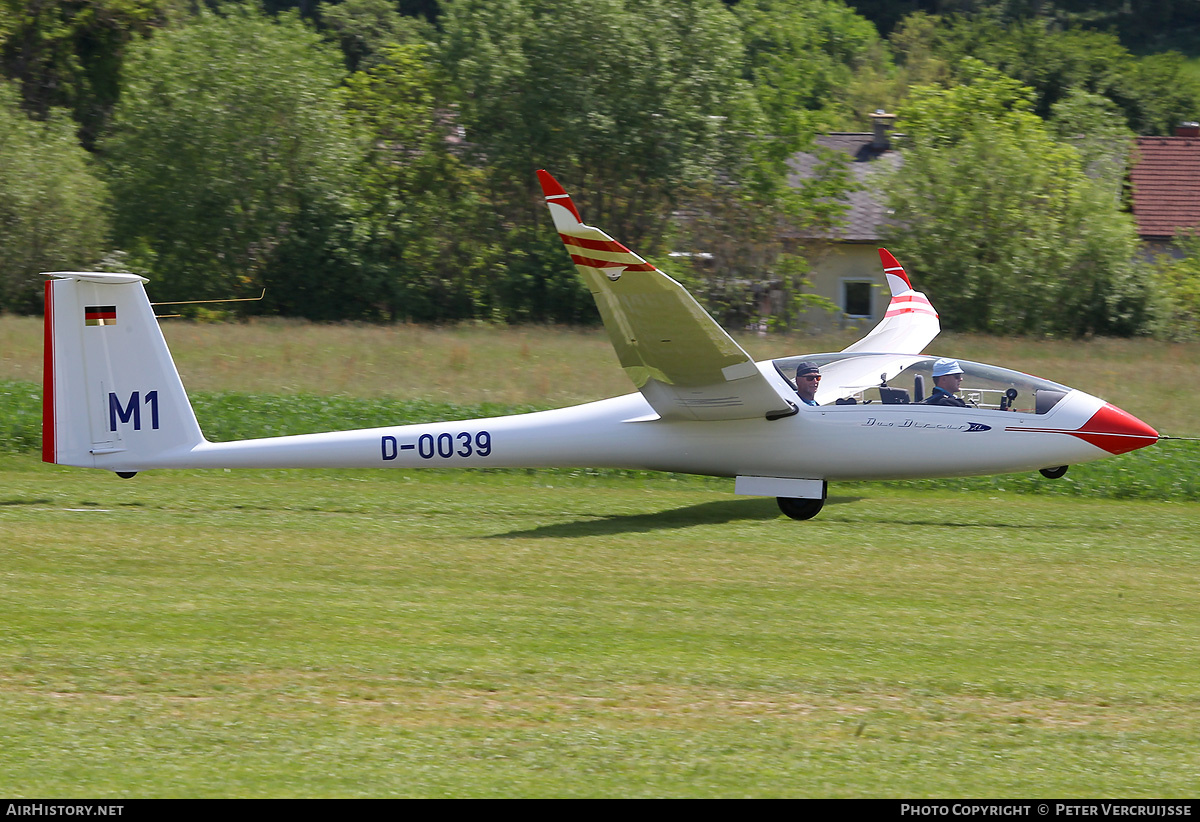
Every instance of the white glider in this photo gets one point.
(113, 398)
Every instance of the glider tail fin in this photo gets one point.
(112, 397)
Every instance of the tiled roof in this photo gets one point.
(1166, 185)
(867, 212)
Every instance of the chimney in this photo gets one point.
(1187, 129)
(882, 121)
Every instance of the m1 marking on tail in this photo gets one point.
(132, 410)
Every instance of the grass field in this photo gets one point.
(467, 634)
(568, 633)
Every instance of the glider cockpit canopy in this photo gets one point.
(897, 379)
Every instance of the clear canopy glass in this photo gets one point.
(898, 379)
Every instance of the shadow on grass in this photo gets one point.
(705, 513)
(751, 508)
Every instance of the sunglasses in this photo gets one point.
(811, 377)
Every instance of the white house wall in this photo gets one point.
(833, 264)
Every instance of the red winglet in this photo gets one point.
(892, 266)
(550, 186)
(556, 193)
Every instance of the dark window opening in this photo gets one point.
(856, 299)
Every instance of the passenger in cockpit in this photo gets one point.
(808, 377)
(947, 379)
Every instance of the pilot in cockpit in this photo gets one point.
(947, 379)
(808, 377)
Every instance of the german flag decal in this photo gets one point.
(100, 315)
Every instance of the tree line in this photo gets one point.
(374, 159)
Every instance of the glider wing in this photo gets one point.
(909, 325)
(910, 322)
(677, 355)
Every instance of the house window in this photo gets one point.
(856, 298)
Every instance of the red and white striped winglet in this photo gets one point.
(557, 195)
(624, 257)
(604, 264)
(897, 279)
(587, 246)
(914, 303)
(904, 299)
(592, 244)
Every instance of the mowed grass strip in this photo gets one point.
(523, 634)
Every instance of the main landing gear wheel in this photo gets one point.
(803, 508)
(1053, 473)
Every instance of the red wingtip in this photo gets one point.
(892, 266)
(556, 193)
(550, 186)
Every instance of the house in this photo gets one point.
(1165, 202)
(844, 261)
(1165, 179)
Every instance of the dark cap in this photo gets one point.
(807, 367)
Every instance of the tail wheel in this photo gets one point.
(803, 508)
(1053, 473)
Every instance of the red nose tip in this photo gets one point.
(1116, 431)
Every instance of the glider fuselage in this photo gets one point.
(835, 442)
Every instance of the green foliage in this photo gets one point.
(20, 417)
(628, 103)
(638, 108)
(535, 281)
(942, 117)
(433, 245)
(1143, 26)
(1162, 90)
(743, 267)
(803, 57)
(1008, 231)
(1049, 61)
(1179, 281)
(364, 28)
(915, 45)
(232, 163)
(1153, 92)
(239, 154)
(1096, 128)
(53, 208)
(69, 54)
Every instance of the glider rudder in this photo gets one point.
(110, 388)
